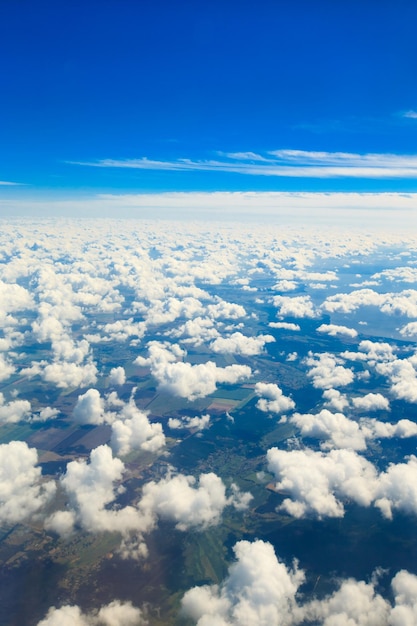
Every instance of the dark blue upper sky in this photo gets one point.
(91, 88)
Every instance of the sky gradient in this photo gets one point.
(146, 98)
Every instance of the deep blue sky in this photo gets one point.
(88, 81)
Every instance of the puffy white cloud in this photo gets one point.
(326, 371)
(22, 492)
(237, 343)
(13, 411)
(335, 428)
(409, 330)
(397, 488)
(188, 502)
(296, 306)
(133, 430)
(117, 376)
(404, 612)
(318, 482)
(349, 302)
(6, 368)
(90, 489)
(285, 285)
(115, 613)
(89, 408)
(259, 589)
(186, 380)
(191, 423)
(335, 400)
(272, 399)
(285, 325)
(355, 603)
(401, 303)
(334, 330)
(371, 402)
(65, 374)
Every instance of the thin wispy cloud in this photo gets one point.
(9, 183)
(282, 163)
(410, 114)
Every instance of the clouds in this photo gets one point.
(186, 380)
(237, 343)
(319, 483)
(296, 306)
(22, 492)
(327, 372)
(289, 163)
(188, 502)
(115, 613)
(132, 430)
(90, 489)
(333, 330)
(261, 589)
(272, 399)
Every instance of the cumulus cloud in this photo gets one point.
(13, 411)
(6, 368)
(132, 430)
(117, 376)
(409, 330)
(318, 483)
(296, 306)
(89, 408)
(371, 402)
(186, 380)
(285, 325)
(91, 490)
(115, 613)
(22, 492)
(237, 343)
(327, 372)
(190, 423)
(272, 399)
(189, 502)
(334, 330)
(260, 589)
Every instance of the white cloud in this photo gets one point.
(237, 343)
(13, 411)
(334, 330)
(318, 483)
(117, 376)
(190, 423)
(327, 372)
(115, 613)
(259, 589)
(371, 402)
(22, 493)
(132, 430)
(89, 408)
(186, 380)
(335, 428)
(188, 502)
(409, 330)
(285, 325)
(271, 398)
(90, 489)
(296, 306)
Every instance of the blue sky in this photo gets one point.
(124, 97)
